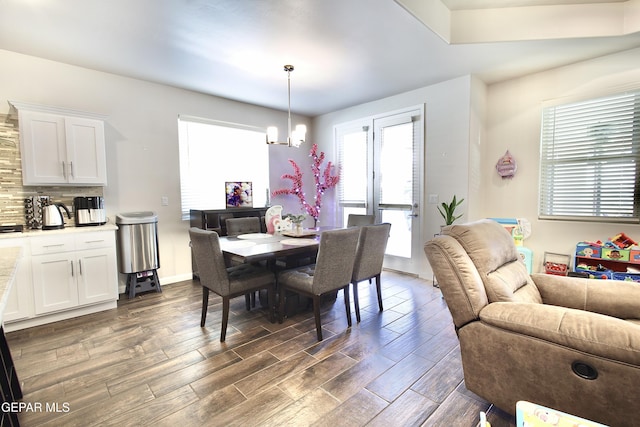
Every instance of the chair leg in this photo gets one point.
(205, 304)
(271, 292)
(247, 301)
(283, 299)
(347, 304)
(316, 314)
(378, 288)
(356, 302)
(225, 318)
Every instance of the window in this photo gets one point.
(212, 153)
(589, 157)
(352, 142)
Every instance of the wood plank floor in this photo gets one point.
(148, 362)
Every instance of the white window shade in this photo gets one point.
(589, 157)
(352, 158)
(212, 153)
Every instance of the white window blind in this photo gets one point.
(352, 148)
(352, 158)
(213, 153)
(589, 157)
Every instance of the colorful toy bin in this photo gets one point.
(587, 250)
(615, 254)
(557, 264)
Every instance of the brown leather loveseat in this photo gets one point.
(567, 343)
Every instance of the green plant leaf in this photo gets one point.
(448, 210)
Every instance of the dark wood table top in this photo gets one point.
(256, 247)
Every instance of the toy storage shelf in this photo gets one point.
(615, 262)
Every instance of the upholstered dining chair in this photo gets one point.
(237, 226)
(331, 272)
(568, 343)
(369, 257)
(228, 282)
(355, 220)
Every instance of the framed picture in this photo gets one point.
(239, 194)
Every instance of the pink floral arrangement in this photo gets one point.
(323, 181)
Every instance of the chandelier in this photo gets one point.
(296, 137)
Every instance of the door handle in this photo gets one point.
(72, 273)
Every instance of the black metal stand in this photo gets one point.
(142, 281)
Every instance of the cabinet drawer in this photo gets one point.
(97, 239)
(52, 244)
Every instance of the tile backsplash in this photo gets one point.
(12, 192)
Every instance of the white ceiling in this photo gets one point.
(345, 52)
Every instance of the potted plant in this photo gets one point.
(448, 211)
(296, 220)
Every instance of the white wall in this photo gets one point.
(142, 138)
(513, 123)
(447, 139)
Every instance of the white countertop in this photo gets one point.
(8, 264)
(66, 230)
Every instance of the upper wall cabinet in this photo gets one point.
(61, 147)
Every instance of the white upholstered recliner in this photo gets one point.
(567, 343)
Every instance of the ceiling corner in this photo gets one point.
(432, 13)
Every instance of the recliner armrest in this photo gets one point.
(592, 333)
(610, 297)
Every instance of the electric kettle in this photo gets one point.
(52, 216)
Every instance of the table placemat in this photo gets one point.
(250, 236)
(299, 242)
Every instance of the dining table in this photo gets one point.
(257, 247)
(278, 251)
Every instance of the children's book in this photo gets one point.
(532, 415)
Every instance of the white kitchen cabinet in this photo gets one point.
(71, 271)
(61, 147)
(97, 280)
(54, 283)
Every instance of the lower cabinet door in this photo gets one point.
(97, 280)
(54, 282)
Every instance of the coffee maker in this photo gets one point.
(89, 211)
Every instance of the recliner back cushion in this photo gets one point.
(458, 279)
(497, 260)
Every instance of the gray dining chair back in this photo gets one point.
(237, 226)
(222, 223)
(354, 220)
(372, 245)
(331, 272)
(227, 282)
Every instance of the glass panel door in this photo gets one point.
(397, 186)
(381, 174)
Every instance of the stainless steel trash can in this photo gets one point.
(138, 251)
(138, 241)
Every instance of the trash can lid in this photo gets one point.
(142, 217)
